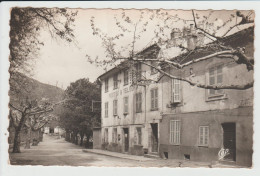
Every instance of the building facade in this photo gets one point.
(206, 124)
(131, 111)
(175, 120)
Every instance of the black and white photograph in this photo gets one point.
(125, 87)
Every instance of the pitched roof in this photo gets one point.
(239, 39)
(150, 52)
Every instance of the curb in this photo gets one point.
(89, 151)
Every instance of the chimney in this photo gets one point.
(174, 35)
(191, 37)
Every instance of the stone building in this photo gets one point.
(175, 120)
(131, 111)
(205, 124)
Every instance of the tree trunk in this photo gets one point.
(16, 147)
(38, 135)
(28, 138)
(76, 139)
(87, 142)
(67, 136)
(41, 136)
(73, 138)
(81, 139)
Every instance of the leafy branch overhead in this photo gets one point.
(26, 27)
(211, 35)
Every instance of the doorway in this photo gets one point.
(229, 140)
(154, 137)
(126, 139)
(51, 130)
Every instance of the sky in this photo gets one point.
(60, 63)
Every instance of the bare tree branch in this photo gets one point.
(204, 31)
(215, 87)
(41, 112)
(12, 106)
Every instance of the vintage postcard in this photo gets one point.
(125, 87)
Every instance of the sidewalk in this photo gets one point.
(118, 155)
(152, 162)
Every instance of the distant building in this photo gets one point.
(53, 127)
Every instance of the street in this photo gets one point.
(54, 151)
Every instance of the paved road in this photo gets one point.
(53, 151)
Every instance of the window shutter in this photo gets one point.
(134, 76)
(175, 132)
(125, 104)
(135, 137)
(171, 131)
(176, 91)
(130, 76)
(152, 99)
(115, 107)
(206, 134)
(156, 98)
(201, 136)
(113, 135)
(216, 78)
(178, 132)
(106, 109)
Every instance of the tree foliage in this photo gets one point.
(26, 27)
(79, 114)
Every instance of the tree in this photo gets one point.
(26, 25)
(78, 116)
(21, 117)
(211, 32)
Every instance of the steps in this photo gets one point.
(154, 155)
(231, 163)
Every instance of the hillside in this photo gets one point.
(22, 87)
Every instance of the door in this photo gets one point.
(126, 139)
(51, 130)
(229, 140)
(154, 137)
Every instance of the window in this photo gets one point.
(125, 105)
(216, 78)
(175, 126)
(154, 99)
(115, 107)
(139, 135)
(106, 85)
(138, 68)
(115, 79)
(114, 135)
(138, 102)
(176, 87)
(106, 135)
(203, 135)
(153, 70)
(126, 77)
(106, 109)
